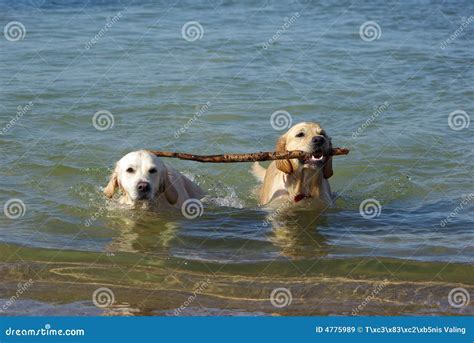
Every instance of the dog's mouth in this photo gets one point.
(144, 196)
(317, 159)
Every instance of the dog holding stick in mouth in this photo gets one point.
(298, 179)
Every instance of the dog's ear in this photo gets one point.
(327, 169)
(283, 165)
(109, 190)
(171, 194)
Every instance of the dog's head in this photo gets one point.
(141, 176)
(311, 138)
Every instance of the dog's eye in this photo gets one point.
(299, 135)
(152, 170)
(130, 170)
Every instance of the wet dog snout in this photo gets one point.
(318, 140)
(143, 187)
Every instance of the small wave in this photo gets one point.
(228, 198)
(219, 194)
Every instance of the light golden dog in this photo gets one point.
(144, 179)
(296, 179)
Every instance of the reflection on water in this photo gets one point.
(292, 233)
(141, 235)
(295, 233)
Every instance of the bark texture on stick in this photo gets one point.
(250, 157)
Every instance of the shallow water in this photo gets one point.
(217, 95)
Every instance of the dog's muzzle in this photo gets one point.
(319, 155)
(143, 190)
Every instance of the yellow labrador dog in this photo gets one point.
(296, 179)
(144, 179)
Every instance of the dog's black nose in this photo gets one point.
(143, 186)
(318, 140)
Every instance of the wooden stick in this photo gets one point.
(251, 157)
